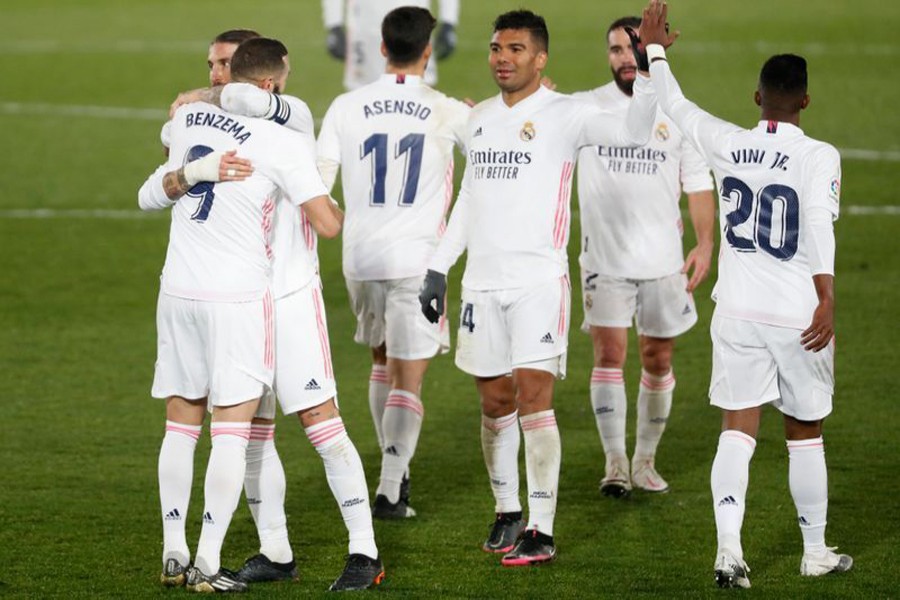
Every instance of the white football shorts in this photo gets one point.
(388, 312)
(756, 364)
(502, 330)
(661, 308)
(304, 375)
(223, 351)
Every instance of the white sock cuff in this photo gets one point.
(738, 439)
(813, 445)
(405, 400)
(500, 423)
(191, 431)
(379, 374)
(601, 375)
(538, 420)
(327, 433)
(225, 429)
(658, 383)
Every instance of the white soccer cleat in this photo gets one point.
(830, 562)
(616, 483)
(731, 571)
(645, 477)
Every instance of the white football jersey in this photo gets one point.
(219, 242)
(512, 214)
(628, 197)
(769, 178)
(394, 141)
(365, 63)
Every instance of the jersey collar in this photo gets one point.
(400, 79)
(778, 128)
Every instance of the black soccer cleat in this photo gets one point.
(360, 573)
(533, 548)
(259, 569)
(504, 532)
(383, 509)
(174, 573)
(404, 490)
(224, 581)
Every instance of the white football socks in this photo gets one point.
(610, 409)
(264, 485)
(543, 453)
(176, 476)
(728, 481)
(347, 480)
(379, 388)
(808, 479)
(653, 407)
(400, 426)
(222, 490)
(500, 440)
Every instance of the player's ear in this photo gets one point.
(805, 102)
(757, 98)
(541, 60)
(426, 54)
(383, 50)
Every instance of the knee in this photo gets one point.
(656, 358)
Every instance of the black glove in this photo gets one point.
(640, 52)
(434, 288)
(445, 41)
(337, 42)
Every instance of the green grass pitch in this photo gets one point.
(79, 434)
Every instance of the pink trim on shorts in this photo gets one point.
(448, 198)
(323, 333)
(406, 401)
(561, 225)
(309, 236)
(563, 303)
(604, 375)
(262, 433)
(326, 431)
(543, 422)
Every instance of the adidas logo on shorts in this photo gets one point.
(687, 309)
(547, 339)
(312, 385)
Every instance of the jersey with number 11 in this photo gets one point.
(394, 141)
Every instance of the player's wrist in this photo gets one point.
(655, 52)
(203, 169)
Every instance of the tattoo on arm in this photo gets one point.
(175, 184)
(212, 95)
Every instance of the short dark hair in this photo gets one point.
(235, 36)
(258, 58)
(406, 32)
(525, 19)
(784, 75)
(629, 22)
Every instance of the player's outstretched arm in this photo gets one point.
(702, 208)
(211, 95)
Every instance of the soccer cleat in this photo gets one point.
(532, 548)
(360, 573)
(259, 568)
(731, 572)
(645, 477)
(616, 483)
(404, 490)
(173, 574)
(504, 532)
(383, 509)
(221, 582)
(829, 562)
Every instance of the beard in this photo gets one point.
(626, 85)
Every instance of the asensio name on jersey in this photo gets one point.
(393, 140)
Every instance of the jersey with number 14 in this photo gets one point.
(394, 141)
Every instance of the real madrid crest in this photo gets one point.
(662, 132)
(527, 134)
